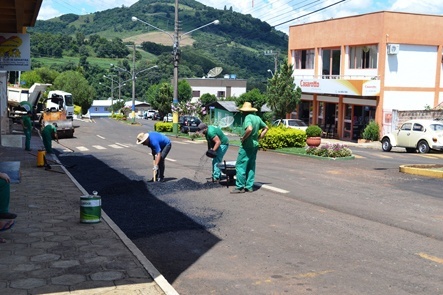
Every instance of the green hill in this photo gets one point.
(237, 44)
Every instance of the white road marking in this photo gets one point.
(100, 136)
(99, 147)
(124, 145)
(274, 189)
(167, 159)
(114, 146)
(82, 148)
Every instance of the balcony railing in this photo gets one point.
(337, 77)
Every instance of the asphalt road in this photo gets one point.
(310, 227)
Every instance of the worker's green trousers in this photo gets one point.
(245, 168)
(47, 142)
(28, 133)
(4, 196)
(221, 151)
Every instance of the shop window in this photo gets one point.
(220, 94)
(363, 57)
(304, 59)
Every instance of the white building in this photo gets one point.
(220, 87)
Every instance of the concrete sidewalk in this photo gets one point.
(49, 251)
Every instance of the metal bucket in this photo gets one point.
(41, 158)
(90, 208)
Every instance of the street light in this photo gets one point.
(110, 77)
(112, 90)
(269, 70)
(175, 52)
(134, 77)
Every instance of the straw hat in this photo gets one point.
(247, 107)
(141, 138)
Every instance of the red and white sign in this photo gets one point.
(339, 86)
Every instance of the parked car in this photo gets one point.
(188, 123)
(291, 123)
(150, 114)
(167, 118)
(413, 135)
(156, 116)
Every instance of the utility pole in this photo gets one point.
(275, 54)
(175, 52)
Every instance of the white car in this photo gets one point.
(167, 118)
(413, 135)
(291, 123)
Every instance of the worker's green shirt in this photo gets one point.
(256, 123)
(49, 130)
(215, 131)
(27, 122)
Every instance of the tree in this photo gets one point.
(283, 95)
(76, 84)
(184, 91)
(253, 96)
(160, 97)
(207, 98)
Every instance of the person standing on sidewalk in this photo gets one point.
(48, 133)
(247, 154)
(5, 194)
(217, 142)
(160, 146)
(27, 129)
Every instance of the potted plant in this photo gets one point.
(313, 135)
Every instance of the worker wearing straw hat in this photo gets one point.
(160, 146)
(247, 154)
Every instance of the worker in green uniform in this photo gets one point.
(217, 142)
(247, 154)
(27, 129)
(48, 133)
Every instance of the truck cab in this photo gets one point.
(60, 100)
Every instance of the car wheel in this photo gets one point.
(410, 150)
(423, 147)
(386, 145)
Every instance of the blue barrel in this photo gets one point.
(90, 208)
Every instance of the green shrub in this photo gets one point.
(372, 131)
(281, 137)
(313, 131)
(163, 127)
(330, 150)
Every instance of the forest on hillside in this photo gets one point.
(237, 44)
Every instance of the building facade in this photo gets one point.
(356, 69)
(220, 87)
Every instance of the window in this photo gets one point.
(195, 93)
(304, 59)
(418, 127)
(363, 57)
(406, 126)
(220, 94)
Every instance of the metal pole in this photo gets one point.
(176, 57)
(133, 85)
(112, 96)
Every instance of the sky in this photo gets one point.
(278, 13)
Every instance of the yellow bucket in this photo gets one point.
(41, 158)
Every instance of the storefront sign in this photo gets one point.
(15, 52)
(339, 86)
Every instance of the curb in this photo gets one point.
(429, 170)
